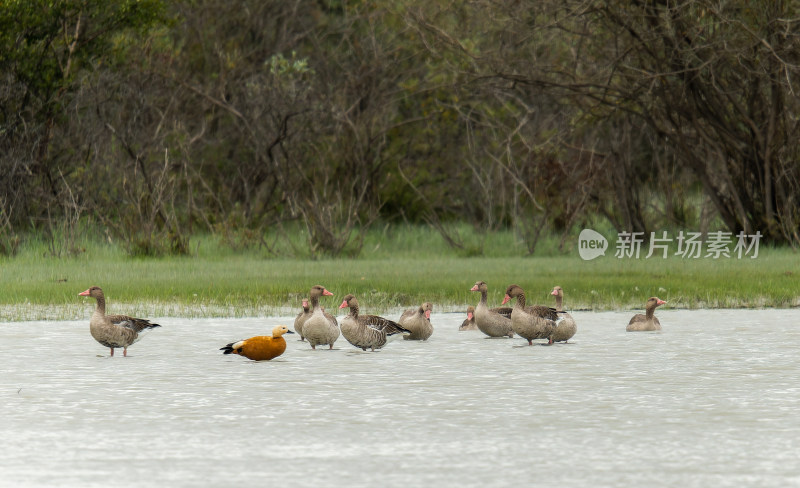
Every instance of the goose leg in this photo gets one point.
(112, 352)
(125, 352)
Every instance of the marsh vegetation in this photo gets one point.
(159, 121)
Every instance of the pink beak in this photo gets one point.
(428, 314)
(660, 302)
(505, 300)
(84, 293)
(554, 293)
(305, 303)
(469, 316)
(344, 304)
(474, 288)
(326, 292)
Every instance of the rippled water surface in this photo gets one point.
(711, 401)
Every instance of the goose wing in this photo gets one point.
(384, 325)
(504, 311)
(543, 312)
(638, 318)
(136, 325)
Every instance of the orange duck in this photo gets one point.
(260, 348)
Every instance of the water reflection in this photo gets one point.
(708, 402)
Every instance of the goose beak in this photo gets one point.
(326, 292)
(344, 304)
(428, 314)
(554, 293)
(661, 302)
(469, 316)
(505, 300)
(474, 288)
(84, 293)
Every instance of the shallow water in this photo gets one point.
(711, 401)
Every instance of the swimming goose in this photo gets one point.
(648, 321)
(301, 319)
(260, 348)
(528, 322)
(114, 331)
(321, 327)
(367, 331)
(418, 322)
(566, 326)
(469, 323)
(494, 322)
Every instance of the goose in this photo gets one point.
(321, 327)
(469, 323)
(648, 321)
(367, 331)
(494, 322)
(260, 348)
(301, 319)
(418, 322)
(566, 326)
(533, 322)
(114, 331)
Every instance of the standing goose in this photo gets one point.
(321, 327)
(260, 348)
(566, 326)
(301, 319)
(469, 323)
(648, 321)
(534, 322)
(494, 322)
(114, 331)
(418, 322)
(367, 331)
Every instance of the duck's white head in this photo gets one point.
(279, 330)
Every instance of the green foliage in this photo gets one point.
(165, 120)
(45, 43)
(401, 267)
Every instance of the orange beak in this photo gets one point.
(660, 302)
(474, 288)
(505, 300)
(344, 304)
(326, 292)
(84, 293)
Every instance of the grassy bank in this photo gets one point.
(392, 272)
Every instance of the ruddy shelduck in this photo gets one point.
(260, 348)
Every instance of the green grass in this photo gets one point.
(397, 268)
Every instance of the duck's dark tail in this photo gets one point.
(229, 349)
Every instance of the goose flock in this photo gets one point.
(319, 328)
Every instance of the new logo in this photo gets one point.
(591, 244)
